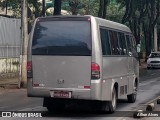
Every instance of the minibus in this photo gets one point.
(81, 59)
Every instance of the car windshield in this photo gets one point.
(155, 55)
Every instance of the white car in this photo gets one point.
(153, 60)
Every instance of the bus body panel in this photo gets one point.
(62, 71)
(115, 69)
(96, 85)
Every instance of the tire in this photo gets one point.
(132, 97)
(110, 106)
(113, 104)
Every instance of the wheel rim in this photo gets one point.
(114, 99)
(135, 90)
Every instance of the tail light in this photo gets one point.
(95, 73)
(29, 69)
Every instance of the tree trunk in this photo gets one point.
(6, 5)
(43, 8)
(146, 41)
(101, 8)
(155, 39)
(37, 9)
(127, 12)
(24, 45)
(105, 9)
(57, 7)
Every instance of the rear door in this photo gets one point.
(61, 53)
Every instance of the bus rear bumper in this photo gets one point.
(47, 92)
(93, 93)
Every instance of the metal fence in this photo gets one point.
(9, 68)
(10, 47)
(10, 37)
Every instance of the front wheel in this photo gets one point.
(132, 97)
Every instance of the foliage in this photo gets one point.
(140, 15)
(115, 12)
(82, 7)
(15, 6)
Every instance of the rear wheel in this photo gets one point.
(113, 104)
(106, 107)
(132, 97)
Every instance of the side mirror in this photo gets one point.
(138, 48)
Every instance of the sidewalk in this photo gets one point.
(143, 64)
(9, 83)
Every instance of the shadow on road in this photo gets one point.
(86, 112)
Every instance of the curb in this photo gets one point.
(9, 86)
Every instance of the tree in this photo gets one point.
(82, 7)
(103, 8)
(74, 6)
(142, 16)
(151, 19)
(15, 6)
(57, 7)
(115, 12)
(43, 8)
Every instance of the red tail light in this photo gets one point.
(29, 69)
(95, 73)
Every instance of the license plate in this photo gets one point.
(60, 94)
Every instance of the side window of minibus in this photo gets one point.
(129, 45)
(134, 51)
(114, 43)
(106, 47)
(122, 43)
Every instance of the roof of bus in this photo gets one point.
(100, 21)
(112, 25)
(62, 16)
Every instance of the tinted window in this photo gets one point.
(134, 48)
(106, 48)
(114, 43)
(62, 38)
(122, 44)
(131, 45)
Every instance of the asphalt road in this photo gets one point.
(17, 100)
